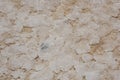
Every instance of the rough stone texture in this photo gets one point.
(59, 39)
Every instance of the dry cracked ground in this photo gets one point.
(59, 39)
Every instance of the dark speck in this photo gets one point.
(44, 46)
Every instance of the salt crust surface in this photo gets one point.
(59, 39)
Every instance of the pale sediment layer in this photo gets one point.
(59, 39)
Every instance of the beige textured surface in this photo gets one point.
(59, 39)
